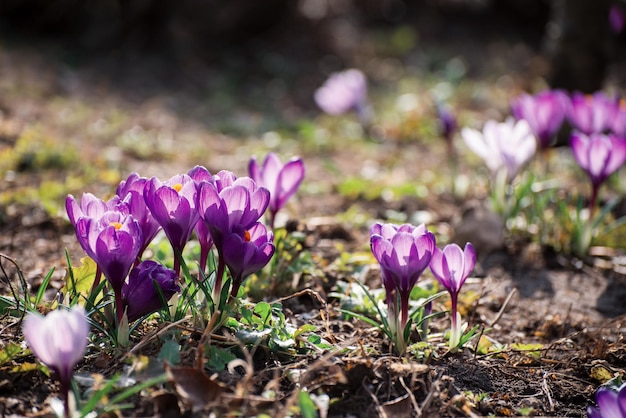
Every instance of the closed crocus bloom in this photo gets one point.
(592, 113)
(403, 252)
(343, 92)
(503, 146)
(611, 404)
(173, 205)
(200, 174)
(544, 112)
(246, 252)
(59, 340)
(139, 292)
(451, 267)
(282, 181)
(131, 191)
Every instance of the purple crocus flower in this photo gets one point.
(200, 174)
(229, 204)
(343, 92)
(599, 156)
(173, 205)
(451, 267)
(447, 122)
(611, 404)
(89, 206)
(616, 17)
(131, 191)
(139, 292)
(619, 123)
(59, 340)
(544, 112)
(592, 113)
(503, 146)
(403, 252)
(246, 252)
(282, 181)
(113, 241)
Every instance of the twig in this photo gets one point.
(430, 395)
(501, 311)
(416, 407)
(547, 391)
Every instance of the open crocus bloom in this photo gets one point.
(598, 155)
(343, 92)
(544, 112)
(139, 292)
(282, 181)
(231, 202)
(173, 205)
(59, 340)
(611, 404)
(592, 113)
(503, 146)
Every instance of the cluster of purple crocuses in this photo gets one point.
(404, 252)
(597, 135)
(224, 212)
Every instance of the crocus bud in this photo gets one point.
(140, 295)
(281, 180)
(59, 340)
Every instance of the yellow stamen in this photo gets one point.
(116, 225)
(178, 187)
(246, 236)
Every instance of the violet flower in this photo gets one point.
(139, 292)
(89, 206)
(404, 252)
(113, 241)
(544, 112)
(611, 404)
(131, 191)
(451, 267)
(173, 205)
(59, 340)
(592, 113)
(200, 174)
(282, 181)
(616, 17)
(503, 146)
(246, 252)
(599, 156)
(229, 204)
(343, 92)
(619, 123)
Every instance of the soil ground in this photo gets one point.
(170, 119)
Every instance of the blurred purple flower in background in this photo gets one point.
(544, 112)
(616, 17)
(246, 252)
(404, 252)
(503, 146)
(173, 205)
(619, 122)
(343, 92)
(611, 403)
(59, 340)
(282, 181)
(139, 293)
(592, 113)
(451, 267)
(131, 191)
(599, 156)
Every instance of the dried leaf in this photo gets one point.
(195, 386)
